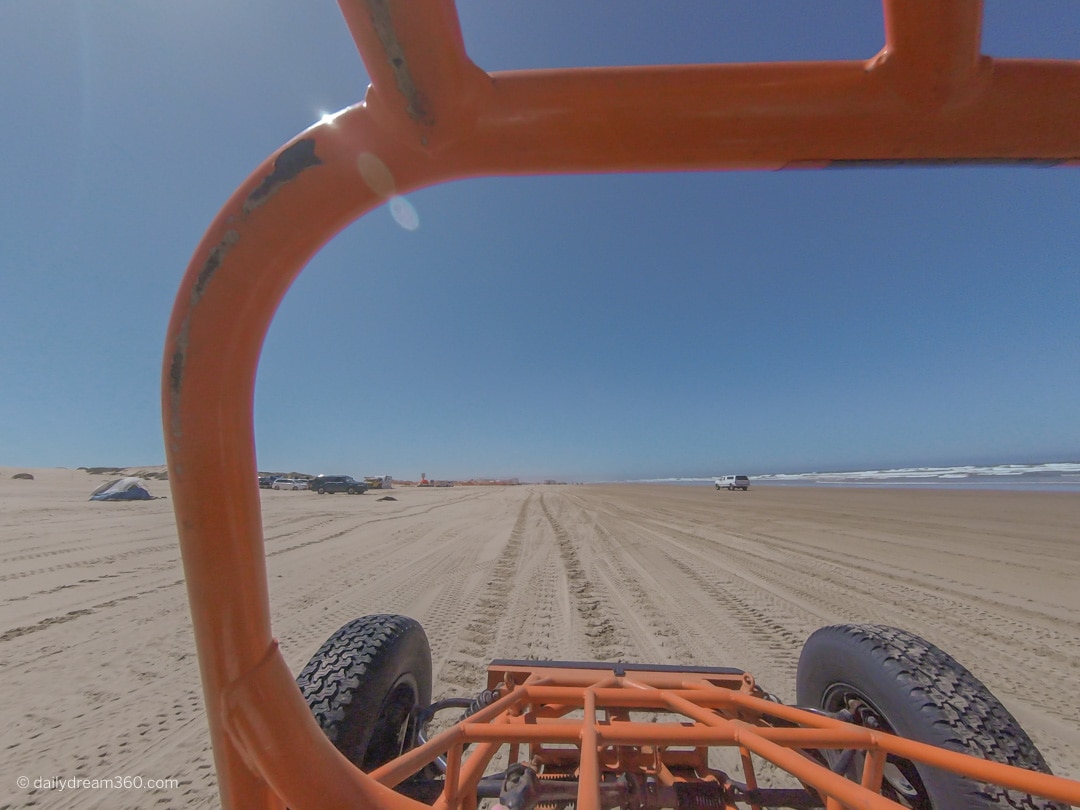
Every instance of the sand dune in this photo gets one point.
(99, 676)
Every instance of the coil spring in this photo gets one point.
(485, 698)
(700, 796)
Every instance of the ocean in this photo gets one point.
(1042, 477)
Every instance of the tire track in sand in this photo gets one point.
(655, 617)
(805, 575)
(466, 666)
(606, 634)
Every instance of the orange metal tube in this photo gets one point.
(415, 56)
(764, 742)
(287, 747)
(1041, 784)
(1017, 778)
(749, 775)
(642, 697)
(935, 49)
(570, 731)
(873, 769)
(588, 796)
(431, 116)
(472, 769)
(453, 778)
(236, 279)
(763, 116)
(767, 742)
(400, 769)
(829, 783)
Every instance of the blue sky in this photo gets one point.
(584, 328)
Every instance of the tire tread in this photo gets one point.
(956, 704)
(334, 674)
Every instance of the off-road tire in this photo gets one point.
(365, 683)
(923, 694)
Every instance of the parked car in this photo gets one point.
(324, 484)
(266, 481)
(731, 482)
(289, 483)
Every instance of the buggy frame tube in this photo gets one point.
(431, 115)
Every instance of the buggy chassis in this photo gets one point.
(431, 115)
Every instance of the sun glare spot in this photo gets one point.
(329, 118)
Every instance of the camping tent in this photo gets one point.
(122, 489)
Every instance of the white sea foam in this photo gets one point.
(1057, 474)
(940, 472)
(1060, 473)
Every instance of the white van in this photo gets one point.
(730, 482)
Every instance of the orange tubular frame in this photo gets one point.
(431, 115)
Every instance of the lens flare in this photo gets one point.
(404, 214)
(376, 174)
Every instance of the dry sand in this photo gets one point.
(99, 678)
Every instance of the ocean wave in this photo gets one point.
(1045, 474)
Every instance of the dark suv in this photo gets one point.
(337, 483)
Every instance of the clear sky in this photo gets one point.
(583, 328)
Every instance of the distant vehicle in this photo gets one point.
(324, 484)
(289, 483)
(266, 481)
(731, 482)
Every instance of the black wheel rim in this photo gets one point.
(393, 731)
(902, 783)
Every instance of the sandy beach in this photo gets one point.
(99, 676)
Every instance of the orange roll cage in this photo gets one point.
(431, 115)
